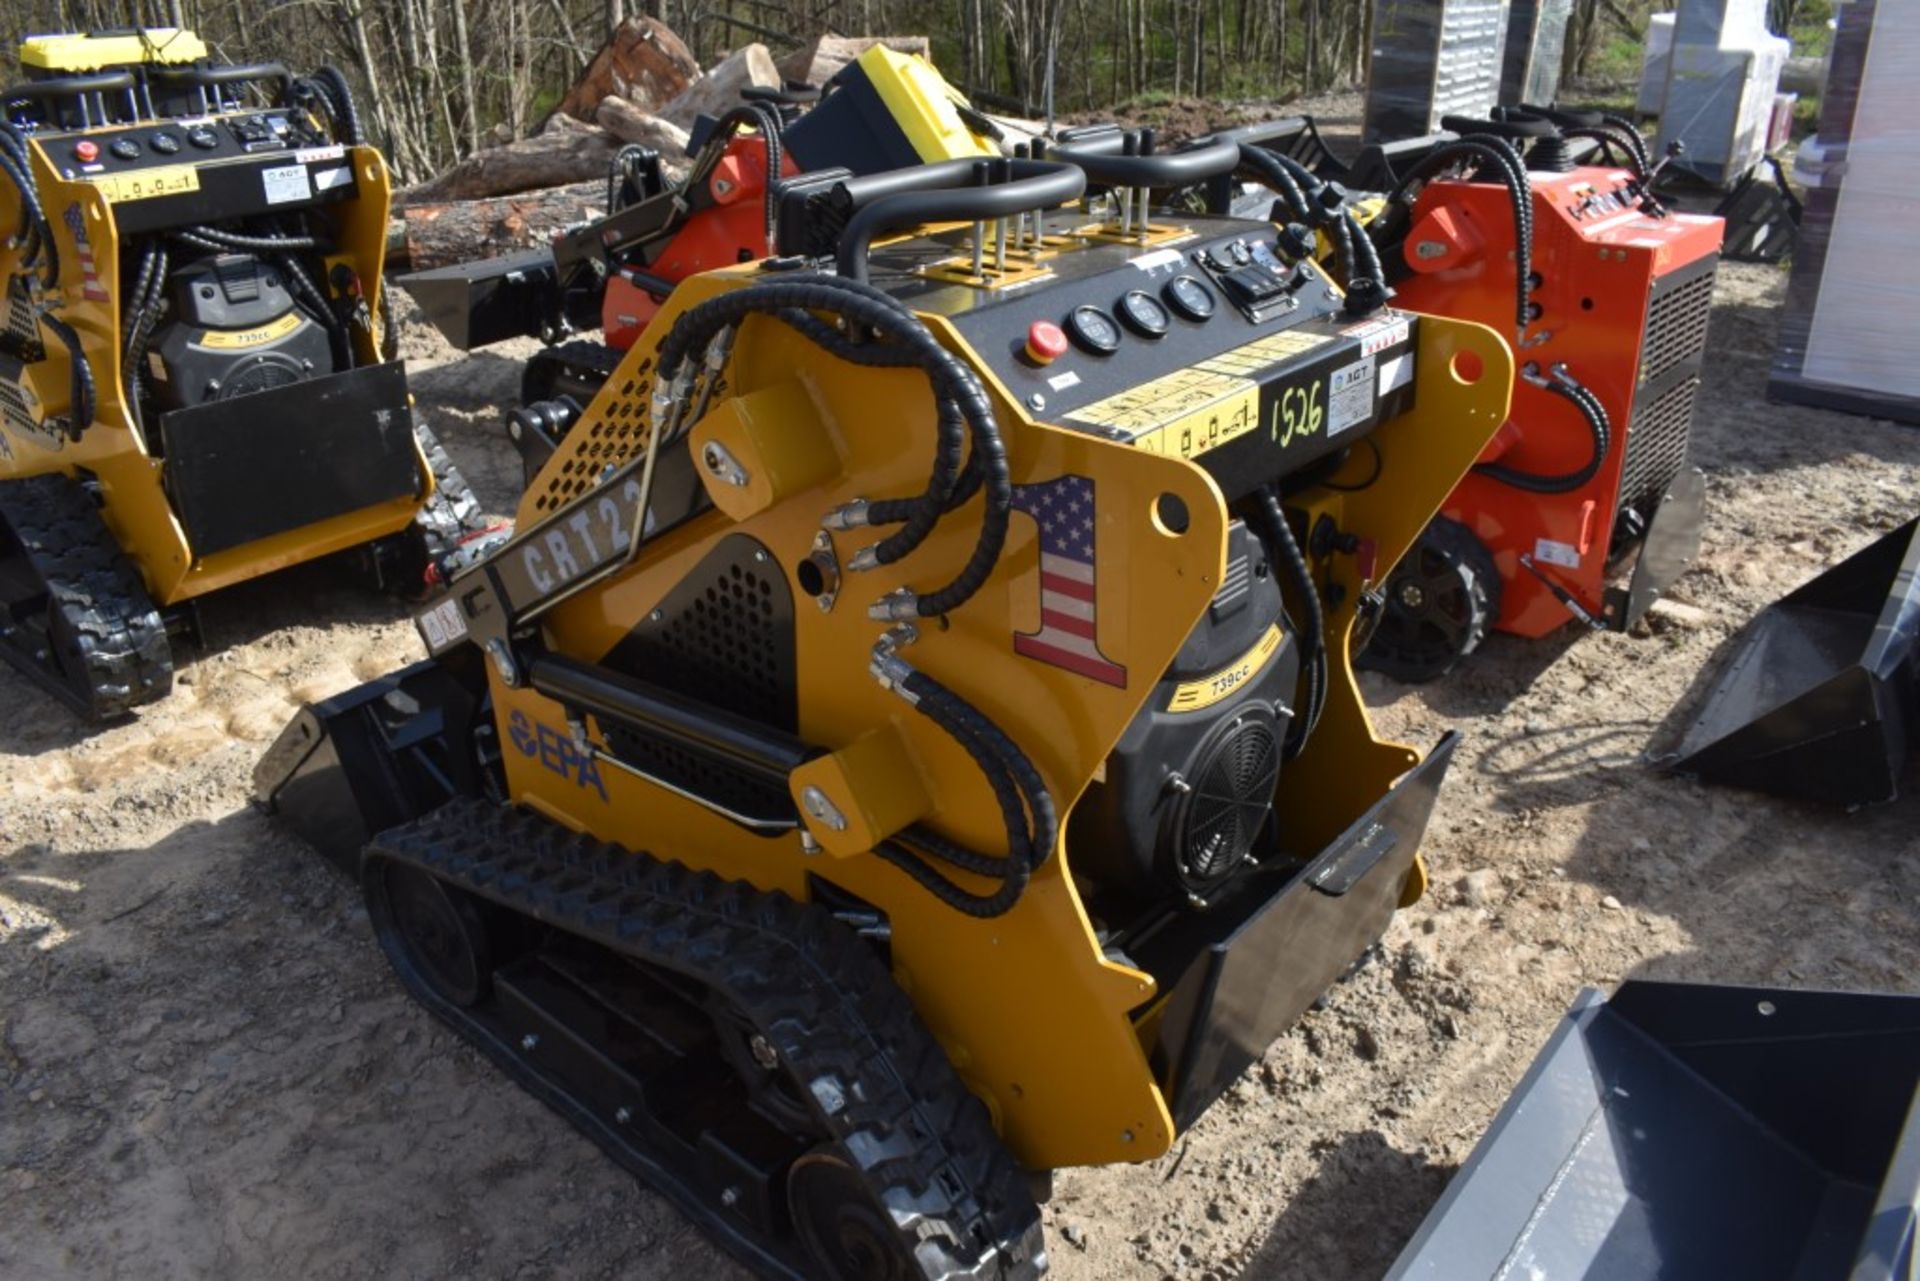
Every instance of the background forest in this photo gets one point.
(440, 79)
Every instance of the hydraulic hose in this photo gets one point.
(952, 429)
(81, 405)
(1277, 534)
(765, 117)
(1631, 135)
(1562, 384)
(35, 232)
(1035, 184)
(1027, 809)
(346, 116)
(868, 308)
(1612, 137)
(1500, 155)
(244, 243)
(143, 311)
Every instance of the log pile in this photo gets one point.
(642, 87)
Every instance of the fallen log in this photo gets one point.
(439, 235)
(818, 62)
(719, 90)
(643, 62)
(630, 124)
(546, 160)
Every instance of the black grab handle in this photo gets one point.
(1035, 184)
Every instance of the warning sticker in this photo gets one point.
(1160, 402)
(1262, 352)
(1205, 429)
(288, 182)
(442, 625)
(1377, 335)
(1549, 552)
(1350, 396)
(143, 184)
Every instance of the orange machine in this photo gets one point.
(1606, 294)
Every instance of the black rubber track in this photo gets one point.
(65, 570)
(453, 512)
(882, 1088)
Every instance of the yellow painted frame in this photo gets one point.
(1053, 1035)
(134, 501)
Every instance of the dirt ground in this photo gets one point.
(206, 1071)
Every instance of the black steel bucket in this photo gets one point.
(1685, 1131)
(1819, 694)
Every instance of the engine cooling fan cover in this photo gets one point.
(1229, 798)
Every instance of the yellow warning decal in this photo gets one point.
(1262, 352)
(1185, 413)
(236, 339)
(169, 180)
(1190, 411)
(1208, 690)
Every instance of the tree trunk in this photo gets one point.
(439, 235)
(463, 52)
(547, 160)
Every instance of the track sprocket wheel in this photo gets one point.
(1439, 603)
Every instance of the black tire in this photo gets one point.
(1439, 603)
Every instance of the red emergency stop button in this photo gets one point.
(1046, 342)
(86, 152)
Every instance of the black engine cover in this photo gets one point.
(234, 331)
(1190, 786)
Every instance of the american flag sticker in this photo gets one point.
(1063, 509)
(90, 287)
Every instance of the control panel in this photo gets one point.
(1227, 349)
(166, 142)
(167, 172)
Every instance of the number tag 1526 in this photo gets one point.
(1298, 412)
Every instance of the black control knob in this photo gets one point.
(1295, 241)
(125, 149)
(203, 137)
(164, 143)
(1143, 314)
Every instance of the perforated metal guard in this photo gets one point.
(1676, 326)
(1670, 355)
(613, 430)
(725, 637)
(1657, 443)
(13, 408)
(22, 332)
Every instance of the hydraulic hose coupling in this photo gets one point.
(865, 558)
(850, 515)
(886, 665)
(899, 604)
(1557, 373)
(660, 406)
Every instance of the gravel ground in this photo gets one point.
(205, 1069)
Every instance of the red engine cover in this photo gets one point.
(1609, 277)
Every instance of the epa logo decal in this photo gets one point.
(555, 751)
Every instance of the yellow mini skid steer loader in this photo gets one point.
(197, 382)
(954, 610)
